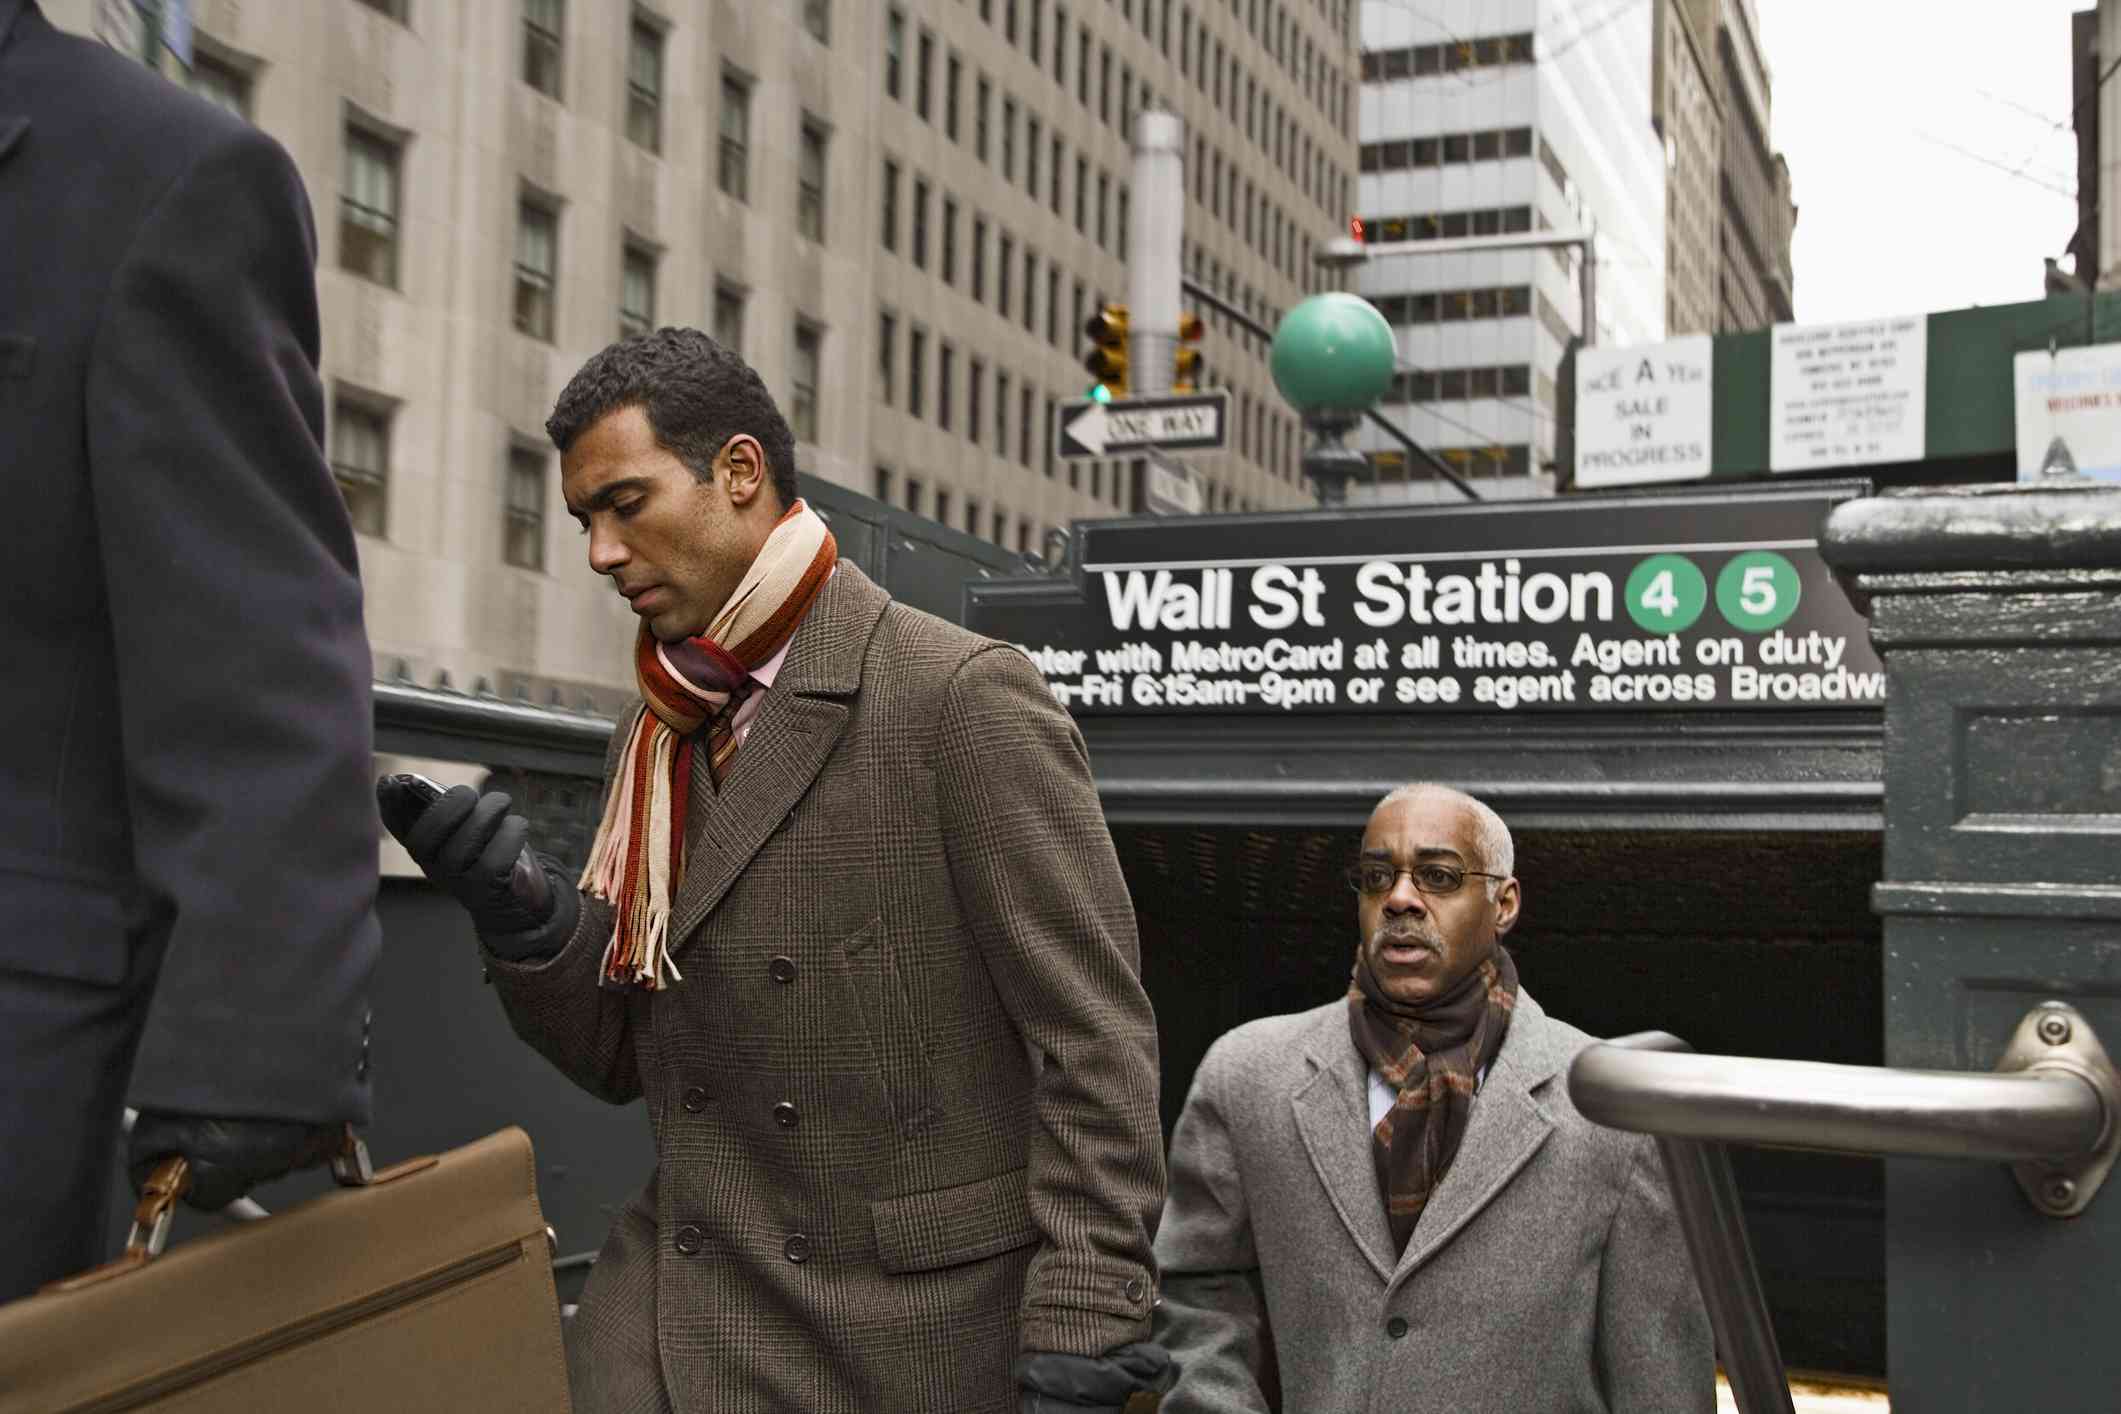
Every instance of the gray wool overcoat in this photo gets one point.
(904, 1099)
(1548, 1274)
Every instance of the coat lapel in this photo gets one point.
(1506, 1128)
(797, 726)
(1333, 1115)
(12, 125)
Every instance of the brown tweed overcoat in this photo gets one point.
(904, 1099)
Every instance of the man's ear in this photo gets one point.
(742, 470)
(1508, 898)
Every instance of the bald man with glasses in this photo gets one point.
(1390, 1197)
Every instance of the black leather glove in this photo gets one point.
(1131, 1379)
(473, 847)
(229, 1157)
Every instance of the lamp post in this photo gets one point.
(1332, 357)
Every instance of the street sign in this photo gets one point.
(1193, 422)
(1172, 490)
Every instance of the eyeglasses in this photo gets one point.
(1435, 878)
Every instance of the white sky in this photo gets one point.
(1871, 97)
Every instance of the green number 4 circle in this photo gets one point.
(1666, 593)
(1757, 591)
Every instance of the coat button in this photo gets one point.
(696, 1099)
(689, 1239)
(1137, 1289)
(1396, 1327)
(785, 1116)
(782, 969)
(796, 1248)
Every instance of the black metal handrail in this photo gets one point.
(459, 726)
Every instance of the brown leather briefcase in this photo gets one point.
(426, 1286)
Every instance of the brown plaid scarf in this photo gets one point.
(1433, 1054)
(638, 858)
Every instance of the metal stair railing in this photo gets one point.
(2051, 1109)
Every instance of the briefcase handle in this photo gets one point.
(168, 1179)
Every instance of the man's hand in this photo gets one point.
(473, 847)
(228, 1157)
(1129, 1380)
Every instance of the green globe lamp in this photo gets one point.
(1332, 359)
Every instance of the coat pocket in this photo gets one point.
(895, 1033)
(946, 1227)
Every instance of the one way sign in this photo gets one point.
(1188, 422)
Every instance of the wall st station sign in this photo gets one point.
(1645, 603)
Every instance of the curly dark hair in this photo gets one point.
(697, 395)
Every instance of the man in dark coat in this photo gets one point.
(187, 844)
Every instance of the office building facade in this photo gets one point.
(900, 211)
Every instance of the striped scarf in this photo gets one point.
(1432, 1055)
(638, 858)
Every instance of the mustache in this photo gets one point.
(1404, 930)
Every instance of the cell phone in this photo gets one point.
(403, 798)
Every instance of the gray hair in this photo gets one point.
(1498, 852)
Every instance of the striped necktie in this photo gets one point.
(721, 732)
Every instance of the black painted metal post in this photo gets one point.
(1997, 611)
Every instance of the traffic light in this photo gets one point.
(1185, 359)
(1107, 359)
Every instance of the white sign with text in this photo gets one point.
(2069, 411)
(1847, 394)
(1643, 414)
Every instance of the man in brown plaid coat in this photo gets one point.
(899, 1065)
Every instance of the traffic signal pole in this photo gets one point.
(1156, 231)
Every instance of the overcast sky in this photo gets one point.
(1891, 113)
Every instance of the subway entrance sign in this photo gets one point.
(1654, 602)
(1190, 422)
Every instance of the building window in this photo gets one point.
(537, 259)
(953, 79)
(1053, 279)
(913, 494)
(368, 208)
(916, 367)
(817, 19)
(1104, 194)
(983, 99)
(894, 53)
(1001, 413)
(729, 318)
(1030, 291)
(393, 9)
(886, 359)
(979, 259)
(945, 383)
(360, 461)
(882, 489)
(543, 23)
(810, 182)
(921, 75)
(1008, 139)
(1053, 177)
(1005, 256)
(920, 223)
(1082, 196)
(222, 85)
(803, 380)
(1023, 425)
(975, 380)
(636, 291)
(949, 261)
(890, 204)
(942, 506)
(523, 510)
(733, 166)
(1031, 130)
(644, 86)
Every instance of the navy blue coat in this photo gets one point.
(185, 733)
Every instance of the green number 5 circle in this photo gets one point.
(1757, 591)
(1666, 593)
